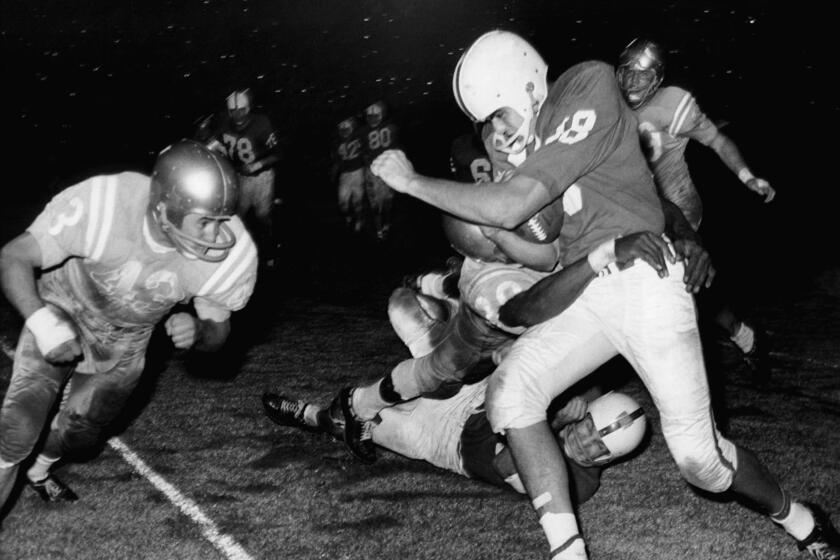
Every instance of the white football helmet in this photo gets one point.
(375, 113)
(614, 426)
(347, 127)
(501, 69)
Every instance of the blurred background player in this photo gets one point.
(380, 134)
(349, 166)
(250, 140)
(668, 118)
(106, 261)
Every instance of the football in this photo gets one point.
(467, 239)
(545, 225)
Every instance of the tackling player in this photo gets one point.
(250, 140)
(668, 118)
(104, 262)
(577, 140)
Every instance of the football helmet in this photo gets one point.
(375, 113)
(189, 178)
(641, 67)
(614, 426)
(239, 107)
(501, 69)
(347, 126)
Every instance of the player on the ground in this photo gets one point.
(105, 261)
(380, 133)
(491, 272)
(250, 140)
(669, 117)
(349, 167)
(577, 141)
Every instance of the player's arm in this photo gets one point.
(504, 204)
(553, 294)
(188, 331)
(730, 155)
(20, 259)
(537, 256)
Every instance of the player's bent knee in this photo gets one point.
(78, 433)
(708, 463)
(514, 404)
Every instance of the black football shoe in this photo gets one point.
(284, 411)
(356, 433)
(824, 542)
(757, 359)
(52, 490)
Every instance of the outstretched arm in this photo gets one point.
(728, 152)
(504, 205)
(699, 272)
(553, 294)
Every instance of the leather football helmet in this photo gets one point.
(375, 113)
(614, 426)
(347, 126)
(239, 107)
(501, 69)
(641, 67)
(189, 178)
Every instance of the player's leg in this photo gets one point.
(32, 391)
(542, 364)
(669, 360)
(90, 403)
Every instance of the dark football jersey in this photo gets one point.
(349, 152)
(587, 151)
(377, 139)
(468, 160)
(254, 142)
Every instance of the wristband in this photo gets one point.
(49, 329)
(601, 256)
(745, 176)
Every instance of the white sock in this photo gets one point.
(799, 521)
(310, 415)
(560, 529)
(744, 338)
(367, 402)
(40, 469)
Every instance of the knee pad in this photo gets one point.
(419, 320)
(705, 458)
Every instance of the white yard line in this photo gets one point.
(226, 544)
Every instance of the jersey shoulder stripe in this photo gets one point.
(242, 256)
(102, 207)
(684, 108)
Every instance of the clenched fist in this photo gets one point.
(182, 328)
(393, 167)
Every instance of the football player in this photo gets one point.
(497, 264)
(250, 141)
(106, 261)
(668, 118)
(453, 432)
(577, 140)
(380, 134)
(349, 168)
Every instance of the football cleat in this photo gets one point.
(757, 358)
(52, 490)
(284, 411)
(356, 433)
(824, 542)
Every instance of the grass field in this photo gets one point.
(244, 488)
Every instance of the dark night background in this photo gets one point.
(100, 86)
